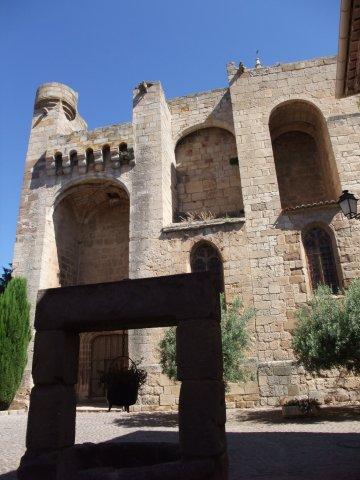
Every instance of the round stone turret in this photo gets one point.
(49, 95)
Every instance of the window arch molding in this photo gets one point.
(205, 256)
(321, 256)
(201, 126)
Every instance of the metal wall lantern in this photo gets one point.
(348, 204)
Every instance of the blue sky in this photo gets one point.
(104, 48)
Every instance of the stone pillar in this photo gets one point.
(202, 395)
(271, 286)
(150, 203)
(151, 207)
(51, 421)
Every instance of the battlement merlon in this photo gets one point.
(82, 140)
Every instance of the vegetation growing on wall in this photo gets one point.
(235, 341)
(14, 338)
(327, 334)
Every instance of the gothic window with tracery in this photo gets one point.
(205, 258)
(320, 259)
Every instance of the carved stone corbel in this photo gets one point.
(82, 167)
(98, 161)
(50, 166)
(115, 159)
(126, 156)
(66, 165)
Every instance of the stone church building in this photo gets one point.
(242, 180)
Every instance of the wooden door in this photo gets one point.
(104, 349)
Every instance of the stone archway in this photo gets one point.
(189, 301)
(91, 224)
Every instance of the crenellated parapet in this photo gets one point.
(96, 150)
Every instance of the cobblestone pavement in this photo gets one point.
(261, 444)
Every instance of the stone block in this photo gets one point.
(51, 420)
(251, 388)
(56, 356)
(202, 418)
(167, 400)
(198, 350)
(293, 390)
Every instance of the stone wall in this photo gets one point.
(208, 178)
(263, 256)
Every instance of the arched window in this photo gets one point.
(204, 258)
(304, 162)
(320, 258)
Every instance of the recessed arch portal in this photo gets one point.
(304, 162)
(91, 225)
(207, 175)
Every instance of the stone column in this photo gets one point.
(51, 421)
(202, 397)
(150, 203)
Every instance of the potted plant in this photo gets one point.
(122, 384)
(301, 407)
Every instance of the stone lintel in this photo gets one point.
(140, 303)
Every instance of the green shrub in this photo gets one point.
(235, 341)
(327, 334)
(168, 353)
(14, 338)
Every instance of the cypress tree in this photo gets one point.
(14, 338)
(5, 277)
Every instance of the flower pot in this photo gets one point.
(122, 394)
(122, 384)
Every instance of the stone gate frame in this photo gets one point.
(188, 301)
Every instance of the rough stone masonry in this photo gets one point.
(242, 180)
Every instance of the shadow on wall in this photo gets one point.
(299, 219)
